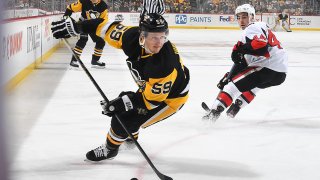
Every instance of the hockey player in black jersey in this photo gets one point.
(90, 9)
(156, 67)
(283, 19)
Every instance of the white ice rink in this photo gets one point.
(55, 118)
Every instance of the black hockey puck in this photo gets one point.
(134, 178)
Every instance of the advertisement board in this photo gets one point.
(24, 42)
(215, 21)
(27, 40)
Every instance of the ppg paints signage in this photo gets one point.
(216, 21)
(181, 19)
(192, 19)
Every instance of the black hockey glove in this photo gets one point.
(237, 55)
(224, 81)
(64, 28)
(120, 104)
(129, 93)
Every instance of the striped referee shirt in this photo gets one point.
(153, 6)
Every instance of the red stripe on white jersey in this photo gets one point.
(258, 43)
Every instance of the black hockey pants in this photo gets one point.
(263, 78)
(100, 43)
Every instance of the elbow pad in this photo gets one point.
(257, 47)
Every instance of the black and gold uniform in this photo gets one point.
(162, 78)
(283, 17)
(89, 10)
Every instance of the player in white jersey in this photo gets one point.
(259, 62)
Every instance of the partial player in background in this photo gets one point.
(259, 62)
(155, 65)
(283, 19)
(90, 9)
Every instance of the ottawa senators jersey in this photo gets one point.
(276, 57)
(160, 77)
(88, 9)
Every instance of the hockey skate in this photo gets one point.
(234, 108)
(101, 153)
(98, 64)
(74, 64)
(213, 114)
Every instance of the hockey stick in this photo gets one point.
(203, 104)
(159, 174)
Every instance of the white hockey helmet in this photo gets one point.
(247, 8)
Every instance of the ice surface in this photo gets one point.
(55, 118)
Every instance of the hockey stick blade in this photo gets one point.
(166, 177)
(205, 106)
(159, 174)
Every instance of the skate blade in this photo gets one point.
(230, 115)
(97, 162)
(92, 162)
(98, 67)
(74, 68)
(209, 117)
(206, 117)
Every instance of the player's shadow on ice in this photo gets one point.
(200, 167)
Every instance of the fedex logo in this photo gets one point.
(226, 19)
(181, 19)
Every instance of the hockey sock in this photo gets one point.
(226, 96)
(244, 99)
(114, 140)
(247, 97)
(225, 99)
(77, 50)
(135, 135)
(96, 55)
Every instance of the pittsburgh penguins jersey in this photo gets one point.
(161, 77)
(88, 9)
(259, 36)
